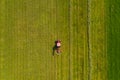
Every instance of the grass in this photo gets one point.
(28, 29)
(98, 40)
(113, 40)
(79, 38)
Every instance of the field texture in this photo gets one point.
(28, 29)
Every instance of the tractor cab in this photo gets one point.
(58, 45)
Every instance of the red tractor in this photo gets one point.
(58, 45)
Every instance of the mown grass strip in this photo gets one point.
(98, 41)
(88, 37)
(79, 26)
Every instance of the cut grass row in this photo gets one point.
(98, 40)
(79, 38)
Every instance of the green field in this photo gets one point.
(113, 41)
(89, 33)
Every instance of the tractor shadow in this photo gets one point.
(54, 50)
